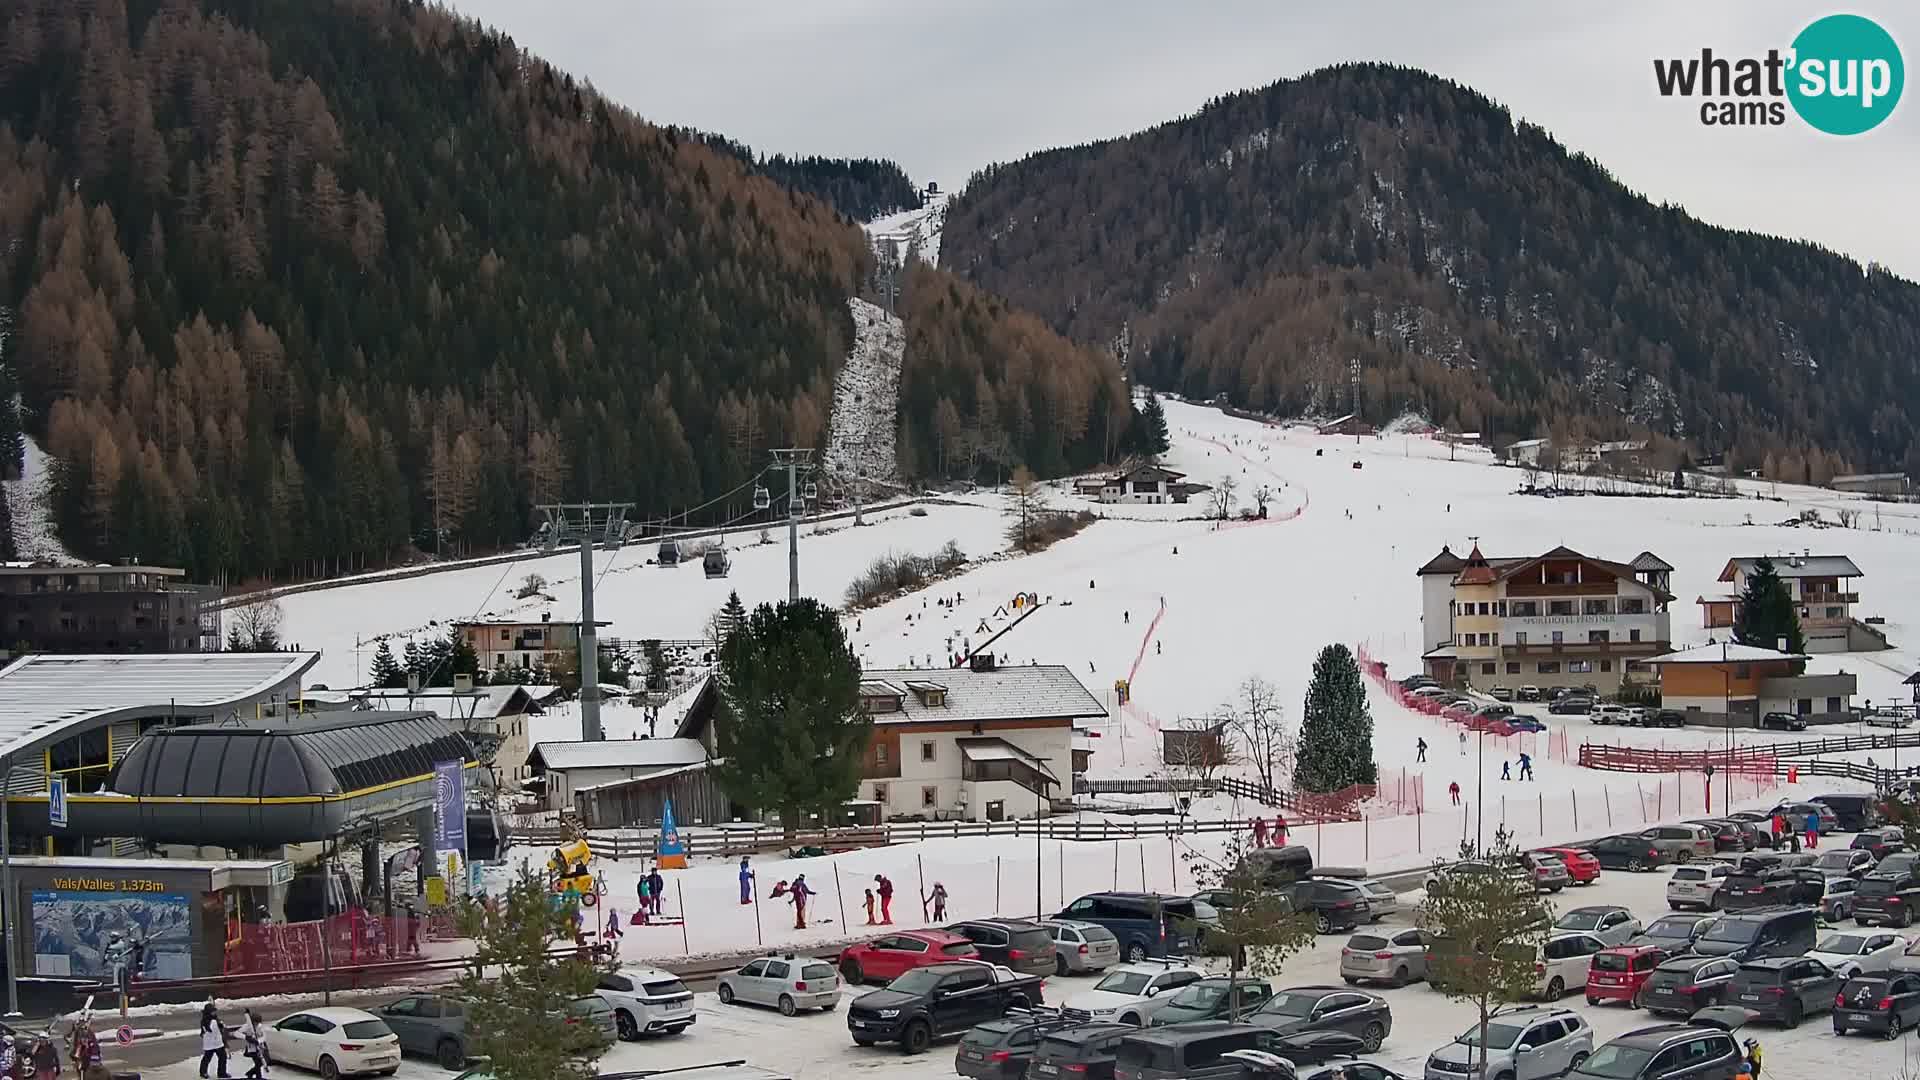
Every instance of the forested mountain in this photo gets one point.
(984, 388)
(1472, 267)
(860, 188)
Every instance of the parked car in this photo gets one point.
(886, 958)
(1837, 905)
(594, 1012)
(940, 1000)
(1081, 947)
(1697, 886)
(1880, 843)
(1797, 812)
(1884, 1003)
(1381, 899)
(1582, 867)
(1560, 963)
(1783, 721)
(334, 1042)
(1459, 710)
(1026, 947)
(647, 1001)
(1885, 896)
(1501, 693)
(1848, 862)
(1526, 722)
(1853, 811)
(1727, 835)
(1299, 1009)
(1212, 998)
(1675, 933)
(1626, 852)
(1550, 874)
(783, 981)
(430, 1025)
(1427, 692)
(1609, 713)
(1146, 924)
(1618, 974)
(1187, 1052)
(1682, 985)
(1529, 693)
(1493, 711)
(1082, 1052)
(1610, 923)
(1337, 906)
(1416, 682)
(1520, 877)
(1669, 718)
(1681, 843)
(1131, 992)
(1571, 705)
(1766, 932)
(1786, 989)
(1850, 954)
(1527, 1042)
(1003, 1048)
(1759, 833)
(1746, 890)
(1651, 1053)
(1396, 959)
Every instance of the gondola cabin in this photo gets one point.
(669, 553)
(716, 562)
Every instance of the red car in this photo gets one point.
(1459, 710)
(1582, 866)
(1618, 974)
(886, 958)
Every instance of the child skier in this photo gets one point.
(1453, 789)
(613, 924)
(800, 891)
(870, 921)
(1506, 770)
(646, 900)
(746, 881)
(938, 898)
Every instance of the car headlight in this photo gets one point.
(889, 1014)
(1102, 1012)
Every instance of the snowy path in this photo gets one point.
(30, 505)
(866, 399)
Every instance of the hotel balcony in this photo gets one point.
(1584, 648)
(1829, 597)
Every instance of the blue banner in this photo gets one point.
(671, 846)
(450, 807)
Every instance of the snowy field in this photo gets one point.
(816, 1046)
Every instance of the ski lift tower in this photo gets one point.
(796, 462)
(587, 523)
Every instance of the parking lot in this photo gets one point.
(816, 1045)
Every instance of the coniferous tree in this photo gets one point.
(386, 673)
(1336, 727)
(1154, 439)
(792, 737)
(516, 988)
(1767, 615)
(414, 661)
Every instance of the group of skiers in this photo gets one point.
(214, 1035)
(1785, 830)
(652, 890)
(1278, 834)
(37, 1058)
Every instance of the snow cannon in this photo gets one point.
(567, 869)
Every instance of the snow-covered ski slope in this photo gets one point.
(866, 398)
(915, 231)
(30, 505)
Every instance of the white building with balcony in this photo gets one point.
(1823, 593)
(1557, 619)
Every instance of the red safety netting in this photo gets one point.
(340, 941)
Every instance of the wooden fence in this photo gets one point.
(623, 844)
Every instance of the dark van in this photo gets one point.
(1857, 813)
(1760, 934)
(1186, 1052)
(1146, 924)
(1277, 866)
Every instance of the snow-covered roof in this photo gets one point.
(1796, 566)
(1647, 560)
(481, 703)
(1031, 692)
(642, 774)
(1863, 478)
(619, 754)
(1728, 653)
(44, 696)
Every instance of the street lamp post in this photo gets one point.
(1479, 800)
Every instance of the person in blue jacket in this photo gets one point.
(746, 881)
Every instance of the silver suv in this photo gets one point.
(1525, 1042)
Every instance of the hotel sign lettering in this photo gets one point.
(90, 884)
(1563, 620)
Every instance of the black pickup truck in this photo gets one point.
(939, 1001)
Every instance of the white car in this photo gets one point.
(1697, 886)
(1849, 954)
(1131, 993)
(1610, 923)
(785, 981)
(1427, 691)
(646, 1000)
(335, 1042)
(1609, 714)
(1560, 963)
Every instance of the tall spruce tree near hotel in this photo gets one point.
(1336, 730)
(1766, 612)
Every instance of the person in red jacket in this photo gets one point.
(1259, 832)
(884, 886)
(1453, 789)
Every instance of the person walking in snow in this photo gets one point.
(746, 881)
(613, 924)
(1526, 766)
(1279, 831)
(1126, 617)
(646, 900)
(1463, 744)
(1453, 789)
(870, 921)
(800, 890)
(1506, 770)
(885, 886)
(1420, 750)
(1259, 832)
(213, 1042)
(938, 898)
(1813, 830)
(1156, 646)
(255, 1035)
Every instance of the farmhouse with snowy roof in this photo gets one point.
(1558, 617)
(1822, 590)
(1148, 484)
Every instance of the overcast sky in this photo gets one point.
(945, 89)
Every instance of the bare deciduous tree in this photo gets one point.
(531, 585)
(1262, 495)
(1223, 496)
(256, 626)
(1256, 718)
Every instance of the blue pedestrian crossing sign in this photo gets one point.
(57, 803)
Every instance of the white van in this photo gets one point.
(1560, 964)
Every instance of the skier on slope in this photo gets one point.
(1420, 748)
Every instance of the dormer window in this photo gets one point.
(931, 695)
